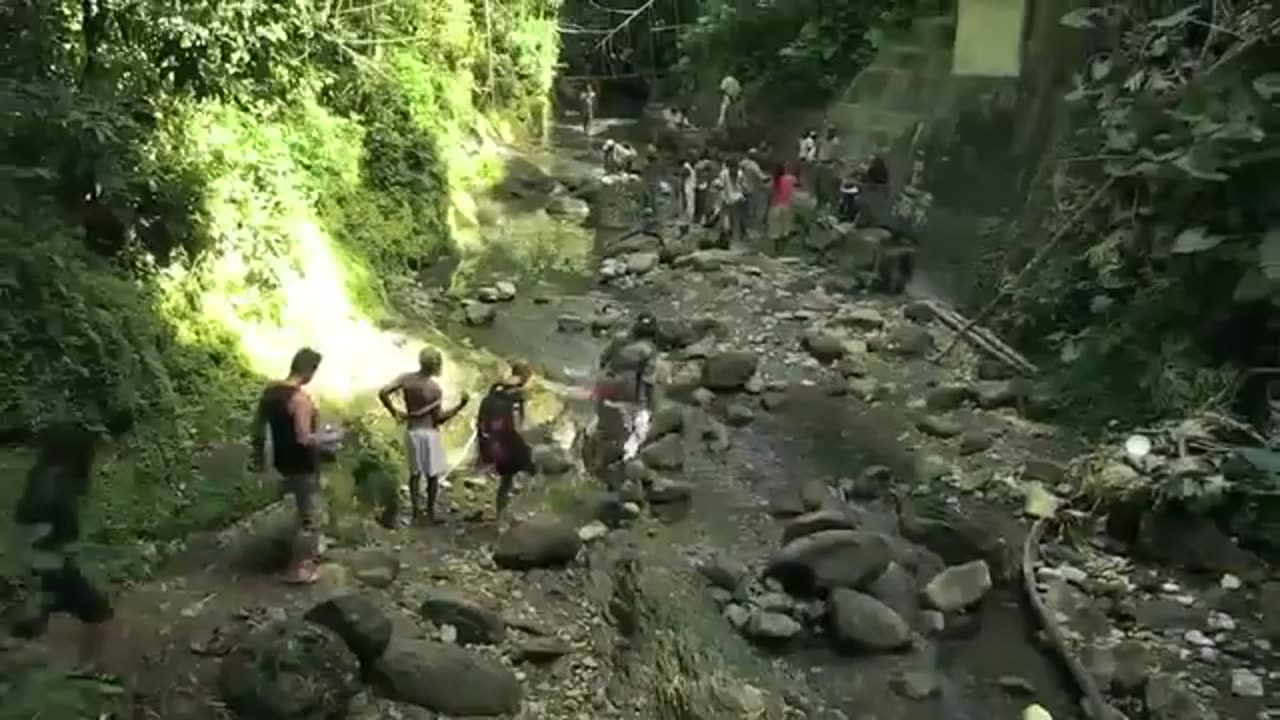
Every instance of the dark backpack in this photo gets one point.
(498, 410)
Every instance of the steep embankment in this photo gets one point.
(191, 193)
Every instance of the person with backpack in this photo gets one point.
(501, 446)
(625, 396)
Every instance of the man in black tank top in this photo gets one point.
(288, 412)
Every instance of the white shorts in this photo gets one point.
(424, 449)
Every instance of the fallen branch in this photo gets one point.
(1095, 706)
(984, 339)
(1038, 258)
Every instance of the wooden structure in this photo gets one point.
(622, 39)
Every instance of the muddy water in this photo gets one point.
(812, 435)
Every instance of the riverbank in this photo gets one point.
(842, 415)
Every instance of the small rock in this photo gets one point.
(1230, 582)
(722, 571)
(665, 491)
(1039, 502)
(505, 290)
(375, 568)
(1016, 685)
(739, 415)
(870, 484)
(570, 323)
(824, 345)
(1245, 683)
(917, 683)
(592, 531)
(540, 542)
(975, 441)
(639, 263)
(475, 623)
(814, 522)
(771, 626)
(861, 621)
(946, 398)
(737, 615)
(541, 650)
(1198, 639)
(959, 587)
(478, 314)
(939, 426)
(919, 312)
(729, 370)
(1049, 472)
(1035, 712)
(665, 454)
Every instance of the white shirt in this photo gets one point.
(730, 87)
(730, 185)
(751, 176)
(808, 148)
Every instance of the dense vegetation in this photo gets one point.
(182, 181)
(1155, 268)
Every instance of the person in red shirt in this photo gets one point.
(781, 217)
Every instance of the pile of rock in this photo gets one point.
(865, 590)
(480, 311)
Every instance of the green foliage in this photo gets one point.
(1184, 234)
(233, 144)
(808, 47)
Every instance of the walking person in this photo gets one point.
(688, 193)
(733, 203)
(47, 516)
(501, 445)
(755, 189)
(781, 222)
(587, 99)
(288, 412)
(704, 171)
(423, 416)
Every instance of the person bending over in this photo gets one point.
(501, 445)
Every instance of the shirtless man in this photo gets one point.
(423, 416)
(287, 410)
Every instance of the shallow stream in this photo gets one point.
(812, 435)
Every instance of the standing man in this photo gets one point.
(755, 188)
(828, 184)
(730, 97)
(288, 412)
(733, 202)
(423, 416)
(48, 520)
(704, 171)
(688, 193)
(588, 100)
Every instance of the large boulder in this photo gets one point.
(729, 370)
(475, 623)
(358, 619)
(478, 314)
(290, 670)
(569, 207)
(540, 542)
(896, 588)
(830, 559)
(862, 622)
(448, 679)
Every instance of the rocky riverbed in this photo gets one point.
(824, 524)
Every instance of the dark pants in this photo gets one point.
(64, 589)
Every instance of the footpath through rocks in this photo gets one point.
(824, 523)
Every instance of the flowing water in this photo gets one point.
(812, 435)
